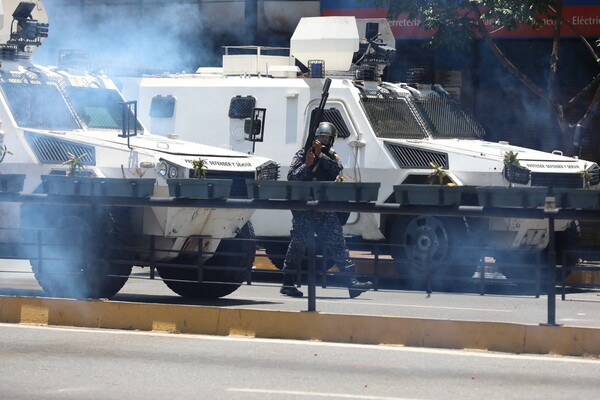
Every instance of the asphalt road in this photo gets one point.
(579, 309)
(69, 363)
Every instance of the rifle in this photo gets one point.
(318, 115)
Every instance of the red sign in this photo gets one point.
(584, 19)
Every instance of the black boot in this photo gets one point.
(356, 288)
(288, 288)
(291, 291)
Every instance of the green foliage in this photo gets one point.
(511, 158)
(200, 168)
(438, 174)
(454, 23)
(75, 164)
(586, 176)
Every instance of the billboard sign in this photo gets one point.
(583, 15)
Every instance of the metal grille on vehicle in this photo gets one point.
(557, 180)
(410, 157)
(38, 105)
(594, 171)
(447, 118)
(238, 187)
(335, 117)
(241, 107)
(50, 150)
(393, 118)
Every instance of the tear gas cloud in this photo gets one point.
(166, 35)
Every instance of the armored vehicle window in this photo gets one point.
(241, 107)
(162, 107)
(393, 117)
(38, 105)
(447, 118)
(98, 108)
(334, 116)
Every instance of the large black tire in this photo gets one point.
(79, 262)
(432, 246)
(216, 282)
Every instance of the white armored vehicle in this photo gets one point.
(388, 132)
(51, 119)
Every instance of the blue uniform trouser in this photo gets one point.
(329, 233)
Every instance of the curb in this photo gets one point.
(303, 325)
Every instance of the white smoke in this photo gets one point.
(166, 35)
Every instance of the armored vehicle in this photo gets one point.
(392, 133)
(75, 128)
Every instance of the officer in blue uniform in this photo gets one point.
(320, 164)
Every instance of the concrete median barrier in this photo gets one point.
(302, 325)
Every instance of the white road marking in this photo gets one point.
(407, 305)
(380, 347)
(315, 394)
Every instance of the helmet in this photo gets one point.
(326, 133)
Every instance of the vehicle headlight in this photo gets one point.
(268, 171)
(162, 168)
(167, 170)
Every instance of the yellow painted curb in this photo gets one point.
(495, 336)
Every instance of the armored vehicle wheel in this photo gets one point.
(427, 244)
(228, 280)
(78, 263)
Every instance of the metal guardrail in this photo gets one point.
(545, 269)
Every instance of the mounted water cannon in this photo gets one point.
(334, 40)
(377, 49)
(344, 46)
(24, 34)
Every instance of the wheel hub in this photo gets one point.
(426, 238)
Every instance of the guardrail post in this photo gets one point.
(482, 268)
(376, 269)
(152, 260)
(40, 254)
(249, 259)
(428, 272)
(200, 260)
(539, 269)
(324, 263)
(94, 245)
(312, 279)
(551, 273)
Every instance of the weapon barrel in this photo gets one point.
(318, 116)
